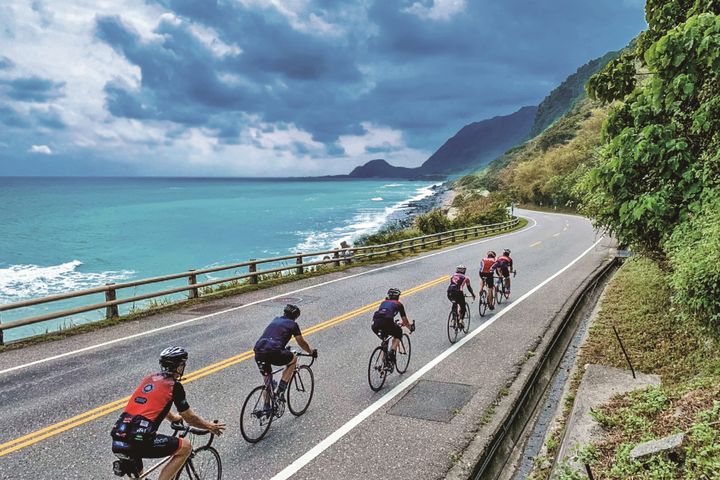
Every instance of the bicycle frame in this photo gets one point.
(269, 378)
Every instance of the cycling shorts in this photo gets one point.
(504, 271)
(161, 446)
(486, 277)
(457, 297)
(275, 357)
(384, 326)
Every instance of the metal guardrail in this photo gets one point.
(335, 257)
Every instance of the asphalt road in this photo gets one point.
(57, 405)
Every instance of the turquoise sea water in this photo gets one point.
(64, 234)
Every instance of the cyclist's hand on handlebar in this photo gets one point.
(216, 428)
(314, 353)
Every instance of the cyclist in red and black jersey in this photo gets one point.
(455, 292)
(486, 277)
(135, 433)
(504, 265)
(384, 319)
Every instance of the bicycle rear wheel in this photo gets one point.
(300, 391)
(452, 326)
(402, 358)
(482, 303)
(203, 465)
(376, 369)
(499, 293)
(256, 415)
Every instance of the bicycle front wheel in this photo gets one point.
(452, 329)
(376, 369)
(203, 465)
(467, 318)
(402, 358)
(256, 415)
(499, 295)
(482, 303)
(300, 391)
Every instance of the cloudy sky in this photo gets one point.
(276, 87)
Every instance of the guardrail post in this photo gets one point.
(252, 268)
(192, 280)
(412, 246)
(111, 311)
(336, 256)
(454, 237)
(439, 240)
(299, 261)
(2, 335)
(465, 234)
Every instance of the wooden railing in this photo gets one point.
(335, 257)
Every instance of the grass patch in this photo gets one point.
(638, 302)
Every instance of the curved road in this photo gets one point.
(59, 400)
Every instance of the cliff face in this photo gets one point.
(381, 169)
(477, 144)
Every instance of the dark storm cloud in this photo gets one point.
(425, 77)
(33, 89)
(6, 63)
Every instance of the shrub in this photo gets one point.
(435, 221)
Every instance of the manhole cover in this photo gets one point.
(436, 401)
(206, 309)
(305, 299)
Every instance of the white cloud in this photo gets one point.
(44, 149)
(439, 10)
(380, 142)
(298, 14)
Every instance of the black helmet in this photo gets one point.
(172, 357)
(291, 311)
(393, 294)
(506, 252)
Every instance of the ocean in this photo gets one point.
(62, 234)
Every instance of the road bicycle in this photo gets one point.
(382, 363)
(263, 405)
(501, 293)
(202, 464)
(483, 302)
(454, 325)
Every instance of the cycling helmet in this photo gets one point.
(291, 311)
(460, 269)
(393, 294)
(490, 254)
(173, 357)
(506, 252)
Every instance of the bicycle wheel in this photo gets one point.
(255, 419)
(203, 465)
(300, 391)
(467, 319)
(452, 328)
(402, 358)
(376, 369)
(482, 303)
(499, 295)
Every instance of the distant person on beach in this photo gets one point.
(345, 246)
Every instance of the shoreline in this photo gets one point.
(442, 197)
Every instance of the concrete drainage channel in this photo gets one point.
(512, 430)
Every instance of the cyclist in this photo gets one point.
(271, 348)
(384, 319)
(135, 433)
(504, 265)
(455, 291)
(486, 277)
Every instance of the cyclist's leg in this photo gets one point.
(288, 358)
(177, 460)
(462, 304)
(396, 331)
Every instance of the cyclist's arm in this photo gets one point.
(303, 344)
(173, 417)
(467, 280)
(195, 420)
(403, 315)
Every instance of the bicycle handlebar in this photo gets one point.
(299, 354)
(185, 429)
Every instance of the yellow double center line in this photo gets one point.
(85, 417)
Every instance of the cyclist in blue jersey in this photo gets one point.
(384, 319)
(271, 347)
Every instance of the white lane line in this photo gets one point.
(355, 421)
(281, 295)
(556, 234)
(535, 244)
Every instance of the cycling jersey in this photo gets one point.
(486, 264)
(458, 282)
(147, 408)
(390, 308)
(277, 335)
